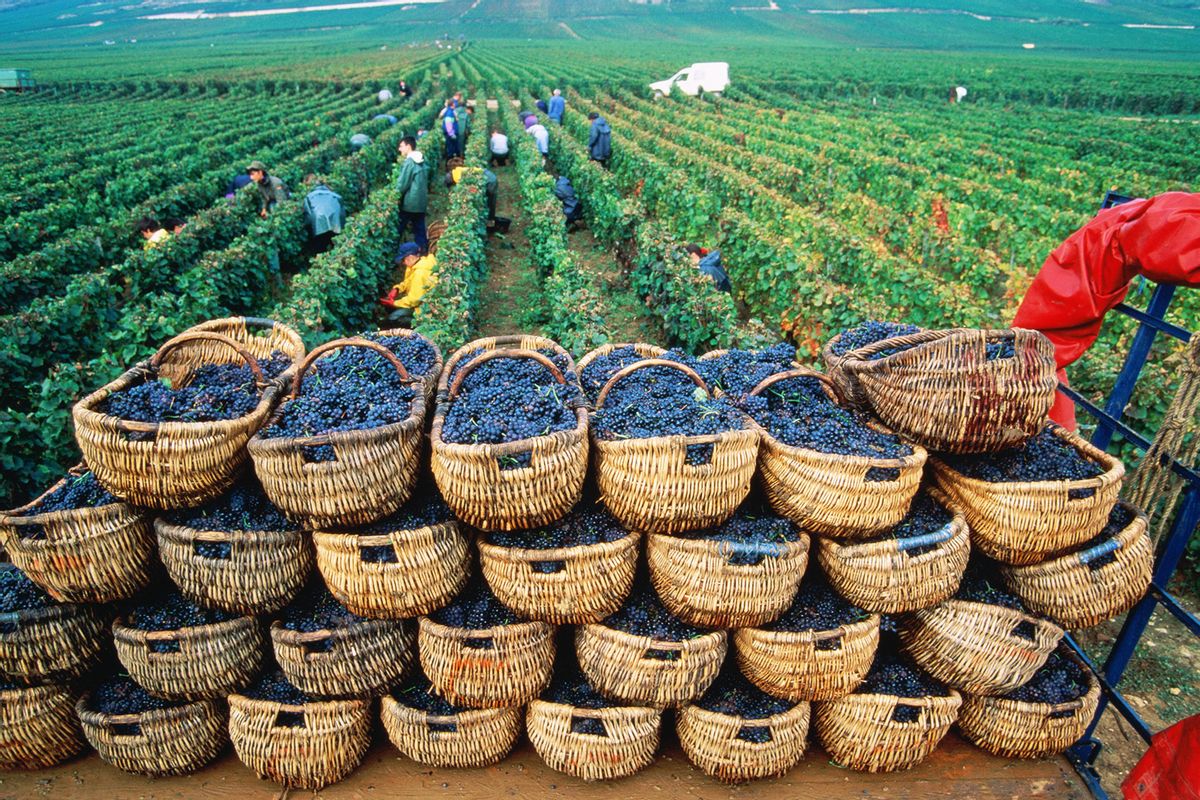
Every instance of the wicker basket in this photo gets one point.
(260, 337)
(979, 648)
(473, 478)
(474, 738)
(1028, 522)
(431, 567)
(1067, 590)
(629, 742)
(861, 731)
(881, 576)
(642, 349)
(364, 659)
(167, 741)
(711, 742)
(38, 727)
(169, 464)
(263, 572)
(194, 663)
(300, 746)
(943, 392)
(53, 644)
(832, 494)
(645, 671)
(507, 665)
(648, 485)
(1017, 729)
(373, 471)
(88, 555)
(699, 583)
(589, 582)
(808, 665)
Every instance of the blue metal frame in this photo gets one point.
(1083, 753)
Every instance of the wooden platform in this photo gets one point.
(957, 771)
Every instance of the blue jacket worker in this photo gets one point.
(709, 262)
(542, 106)
(558, 106)
(565, 192)
(599, 139)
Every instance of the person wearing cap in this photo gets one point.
(271, 190)
(457, 170)
(419, 277)
(557, 107)
(412, 186)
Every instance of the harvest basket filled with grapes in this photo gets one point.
(42, 640)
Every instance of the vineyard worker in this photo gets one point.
(405, 89)
(323, 214)
(419, 277)
(413, 188)
(450, 131)
(558, 107)
(358, 141)
(540, 135)
(490, 185)
(464, 127)
(542, 106)
(599, 139)
(174, 224)
(271, 190)
(499, 147)
(565, 192)
(709, 262)
(239, 182)
(152, 232)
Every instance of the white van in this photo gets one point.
(707, 76)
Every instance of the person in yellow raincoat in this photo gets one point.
(419, 277)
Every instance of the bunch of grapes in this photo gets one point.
(118, 694)
(817, 607)
(982, 584)
(894, 673)
(570, 687)
(245, 507)
(643, 614)
(1118, 520)
(416, 353)
(797, 412)
(1060, 680)
(870, 332)
(214, 392)
(77, 491)
(1045, 457)
(424, 508)
(510, 399)
(925, 515)
(315, 609)
(417, 692)
(597, 372)
(660, 401)
(752, 524)
(736, 372)
(732, 695)
(18, 593)
(273, 686)
(475, 608)
(170, 610)
(586, 524)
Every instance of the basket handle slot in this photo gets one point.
(1062, 713)
(830, 644)
(1080, 494)
(1024, 630)
(936, 537)
(586, 724)
(442, 724)
(629, 369)
(218, 551)
(317, 646)
(482, 358)
(513, 461)
(338, 344)
(827, 383)
(128, 729)
(698, 455)
(285, 718)
(905, 713)
(10, 622)
(882, 474)
(378, 554)
(480, 643)
(663, 651)
(1100, 550)
(755, 732)
(547, 567)
(162, 646)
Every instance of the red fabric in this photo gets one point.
(1170, 769)
(1090, 272)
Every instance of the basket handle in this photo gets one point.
(800, 372)
(184, 338)
(448, 720)
(470, 366)
(338, 344)
(629, 369)
(125, 725)
(908, 340)
(309, 640)
(660, 646)
(1102, 549)
(558, 565)
(936, 537)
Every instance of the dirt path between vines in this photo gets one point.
(629, 319)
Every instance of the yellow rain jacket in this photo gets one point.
(418, 279)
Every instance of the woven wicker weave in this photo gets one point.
(168, 464)
(645, 671)
(881, 576)
(87, 555)
(194, 663)
(710, 740)
(1017, 729)
(808, 665)
(699, 583)
(508, 665)
(648, 484)
(1067, 590)
(589, 582)
(364, 659)
(264, 571)
(52, 644)
(860, 730)
(373, 470)
(979, 648)
(168, 741)
(474, 738)
(328, 743)
(833, 494)
(473, 478)
(944, 393)
(1027, 522)
(431, 567)
(629, 742)
(38, 727)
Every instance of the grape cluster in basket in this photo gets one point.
(876, 331)
(171, 611)
(18, 593)
(245, 507)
